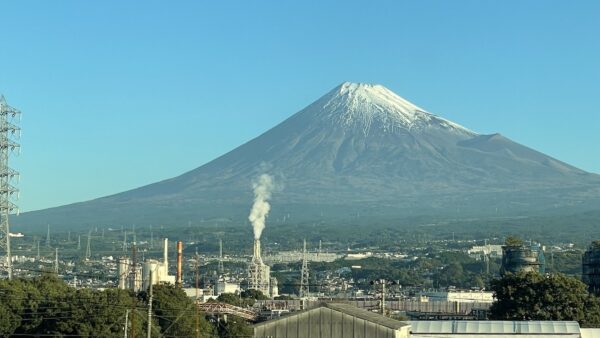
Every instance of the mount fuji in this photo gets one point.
(358, 149)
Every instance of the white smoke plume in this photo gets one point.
(260, 209)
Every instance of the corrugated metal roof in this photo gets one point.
(351, 311)
(367, 315)
(494, 327)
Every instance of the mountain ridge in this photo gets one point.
(358, 146)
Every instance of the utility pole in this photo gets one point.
(149, 333)
(134, 274)
(126, 322)
(383, 283)
(383, 297)
(197, 298)
(56, 261)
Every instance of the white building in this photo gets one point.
(459, 296)
(489, 250)
(227, 287)
(203, 295)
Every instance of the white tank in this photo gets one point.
(124, 269)
(150, 273)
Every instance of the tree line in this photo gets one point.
(48, 307)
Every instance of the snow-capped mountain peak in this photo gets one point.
(373, 106)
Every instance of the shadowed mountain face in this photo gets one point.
(359, 148)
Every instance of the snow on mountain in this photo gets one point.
(368, 106)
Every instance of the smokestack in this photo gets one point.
(256, 256)
(179, 277)
(166, 255)
(261, 207)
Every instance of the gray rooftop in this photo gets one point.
(367, 315)
(350, 310)
(494, 327)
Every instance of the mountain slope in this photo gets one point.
(359, 147)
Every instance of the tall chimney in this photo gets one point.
(179, 276)
(166, 255)
(256, 257)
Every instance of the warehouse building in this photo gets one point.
(494, 329)
(338, 320)
(332, 321)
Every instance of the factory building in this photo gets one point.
(129, 279)
(332, 321)
(226, 287)
(259, 274)
(591, 267)
(523, 257)
(151, 270)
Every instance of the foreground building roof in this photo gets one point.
(493, 327)
(333, 320)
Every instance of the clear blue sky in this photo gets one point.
(118, 94)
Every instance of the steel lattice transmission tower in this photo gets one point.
(9, 133)
(88, 250)
(221, 268)
(304, 280)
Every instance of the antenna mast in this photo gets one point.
(8, 133)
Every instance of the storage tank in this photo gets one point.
(591, 267)
(124, 269)
(150, 267)
(523, 257)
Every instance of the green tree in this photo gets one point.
(235, 327)
(237, 300)
(175, 313)
(453, 274)
(253, 294)
(532, 296)
(513, 241)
